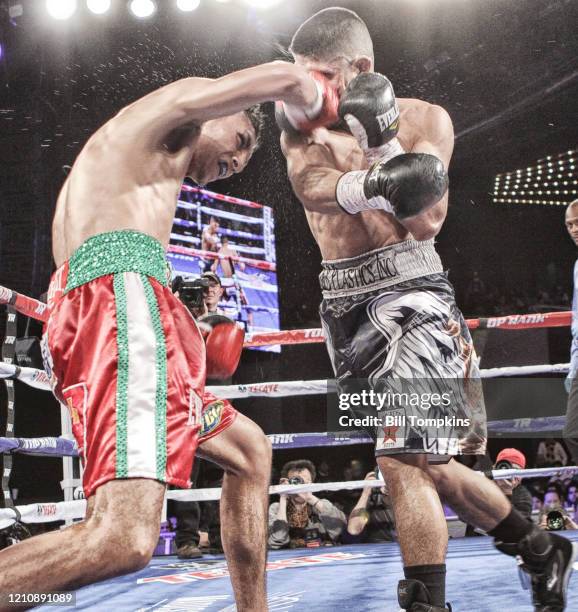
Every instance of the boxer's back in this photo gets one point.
(124, 178)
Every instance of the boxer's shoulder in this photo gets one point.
(421, 120)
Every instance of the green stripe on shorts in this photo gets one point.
(161, 371)
(122, 376)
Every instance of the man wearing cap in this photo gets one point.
(213, 294)
(513, 489)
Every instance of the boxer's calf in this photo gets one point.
(244, 452)
(419, 517)
(118, 536)
(473, 497)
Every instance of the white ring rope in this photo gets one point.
(72, 510)
(287, 388)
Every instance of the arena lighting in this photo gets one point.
(98, 7)
(553, 178)
(142, 8)
(262, 4)
(188, 5)
(61, 9)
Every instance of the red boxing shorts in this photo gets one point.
(218, 414)
(127, 358)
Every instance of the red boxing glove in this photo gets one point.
(224, 345)
(322, 113)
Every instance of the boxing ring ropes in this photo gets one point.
(64, 446)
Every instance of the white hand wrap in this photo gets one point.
(384, 153)
(351, 196)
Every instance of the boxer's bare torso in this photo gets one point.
(315, 163)
(122, 179)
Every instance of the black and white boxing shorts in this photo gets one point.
(390, 319)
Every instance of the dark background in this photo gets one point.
(504, 69)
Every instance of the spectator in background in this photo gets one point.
(572, 497)
(513, 489)
(553, 516)
(371, 520)
(346, 499)
(323, 472)
(303, 519)
(213, 294)
(551, 453)
(475, 293)
(571, 427)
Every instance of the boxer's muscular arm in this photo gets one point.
(436, 138)
(196, 100)
(311, 175)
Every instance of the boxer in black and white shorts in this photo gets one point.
(375, 195)
(391, 314)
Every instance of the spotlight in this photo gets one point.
(98, 7)
(61, 9)
(262, 4)
(142, 8)
(188, 5)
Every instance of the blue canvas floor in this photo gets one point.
(358, 578)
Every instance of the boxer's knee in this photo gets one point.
(124, 524)
(119, 545)
(252, 456)
(254, 460)
(403, 469)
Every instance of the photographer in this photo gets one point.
(553, 516)
(513, 489)
(303, 519)
(371, 520)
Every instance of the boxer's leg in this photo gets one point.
(419, 516)
(118, 536)
(476, 499)
(244, 452)
(420, 522)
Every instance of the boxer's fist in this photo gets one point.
(411, 183)
(369, 108)
(321, 113)
(224, 340)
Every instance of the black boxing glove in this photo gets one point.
(370, 109)
(405, 186)
(321, 113)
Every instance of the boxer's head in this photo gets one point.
(335, 42)
(572, 221)
(225, 145)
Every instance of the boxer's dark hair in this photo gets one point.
(257, 119)
(297, 466)
(332, 32)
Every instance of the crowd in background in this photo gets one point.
(366, 515)
(550, 291)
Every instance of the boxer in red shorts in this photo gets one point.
(123, 352)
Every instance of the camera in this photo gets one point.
(555, 520)
(504, 465)
(191, 292)
(296, 480)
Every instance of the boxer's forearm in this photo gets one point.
(315, 188)
(195, 100)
